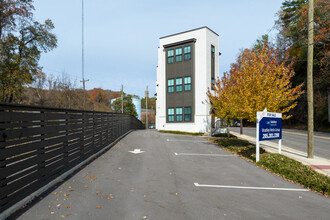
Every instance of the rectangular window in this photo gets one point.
(212, 81)
(178, 54)
(170, 113)
(187, 53)
(179, 84)
(179, 114)
(187, 83)
(170, 85)
(170, 56)
(212, 51)
(187, 113)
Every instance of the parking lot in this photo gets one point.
(151, 175)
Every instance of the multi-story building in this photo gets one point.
(187, 65)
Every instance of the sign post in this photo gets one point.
(269, 127)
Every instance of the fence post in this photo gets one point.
(41, 149)
(3, 182)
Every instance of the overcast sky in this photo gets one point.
(121, 37)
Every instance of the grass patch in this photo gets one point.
(182, 132)
(284, 166)
(224, 135)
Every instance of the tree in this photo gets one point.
(10, 11)
(151, 103)
(292, 24)
(129, 107)
(20, 56)
(261, 81)
(98, 95)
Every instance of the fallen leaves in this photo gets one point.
(109, 197)
(69, 207)
(98, 207)
(92, 178)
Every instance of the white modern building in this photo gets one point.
(187, 65)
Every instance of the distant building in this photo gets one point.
(187, 63)
(137, 104)
(151, 116)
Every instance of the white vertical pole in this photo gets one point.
(257, 141)
(280, 146)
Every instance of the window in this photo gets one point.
(179, 84)
(179, 114)
(170, 85)
(187, 53)
(187, 83)
(178, 54)
(170, 113)
(187, 113)
(212, 51)
(212, 82)
(170, 56)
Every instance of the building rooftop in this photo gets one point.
(190, 31)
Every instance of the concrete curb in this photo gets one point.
(289, 152)
(5, 214)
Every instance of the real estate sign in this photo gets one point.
(269, 127)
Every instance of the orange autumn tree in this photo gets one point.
(256, 81)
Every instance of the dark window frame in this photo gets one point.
(169, 116)
(187, 55)
(178, 57)
(178, 86)
(212, 51)
(187, 84)
(170, 59)
(170, 86)
(187, 114)
(179, 117)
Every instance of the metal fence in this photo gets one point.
(38, 144)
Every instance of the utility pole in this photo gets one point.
(147, 108)
(310, 149)
(83, 54)
(122, 99)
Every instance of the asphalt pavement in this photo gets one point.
(175, 177)
(297, 140)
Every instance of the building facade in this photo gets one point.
(187, 66)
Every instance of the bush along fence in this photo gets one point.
(39, 144)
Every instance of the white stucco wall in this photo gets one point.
(202, 119)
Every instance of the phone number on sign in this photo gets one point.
(271, 135)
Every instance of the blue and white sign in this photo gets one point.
(269, 127)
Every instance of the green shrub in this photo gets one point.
(296, 171)
(225, 135)
(226, 142)
(182, 132)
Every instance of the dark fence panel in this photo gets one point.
(38, 144)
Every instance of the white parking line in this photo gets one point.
(187, 141)
(250, 187)
(213, 155)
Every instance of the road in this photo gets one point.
(297, 139)
(175, 177)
